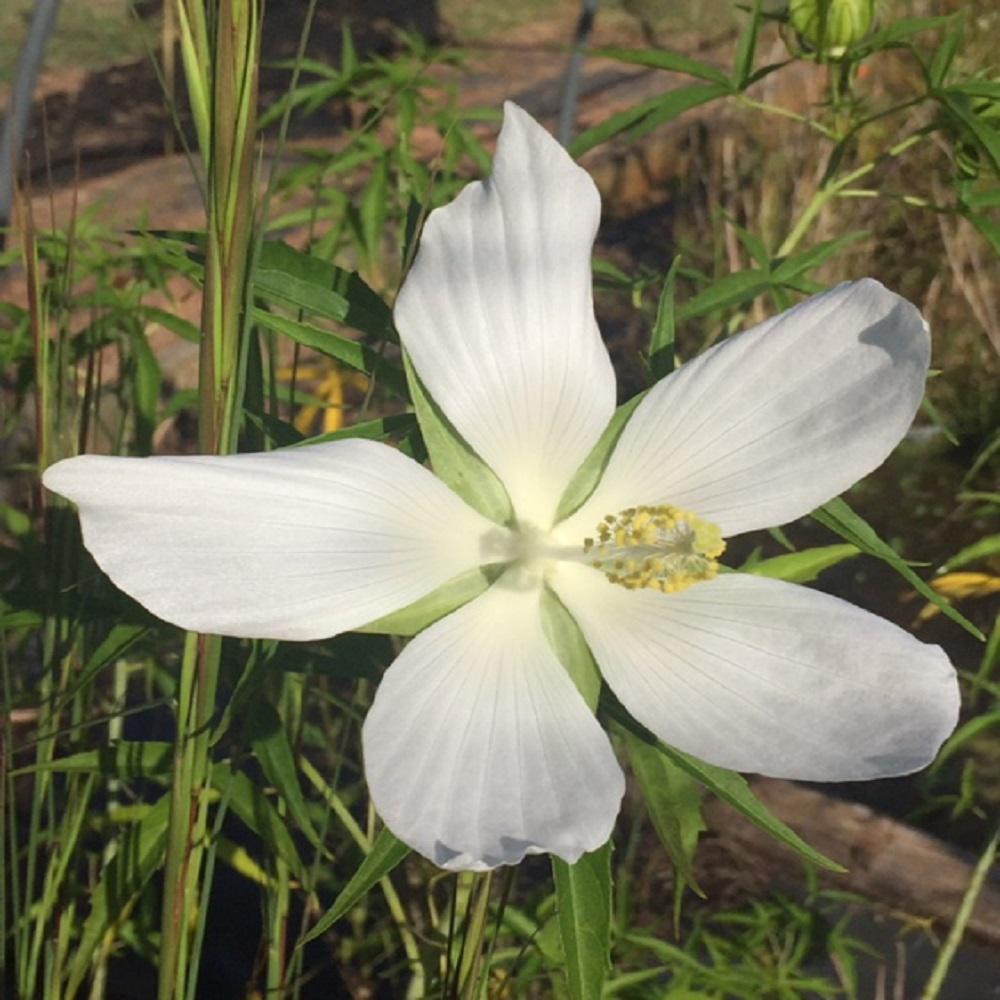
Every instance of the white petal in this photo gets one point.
(479, 749)
(759, 675)
(774, 422)
(295, 544)
(498, 318)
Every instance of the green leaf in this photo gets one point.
(838, 516)
(355, 355)
(727, 785)
(121, 759)
(570, 647)
(963, 735)
(743, 66)
(673, 798)
(662, 59)
(731, 289)
(897, 31)
(790, 268)
(961, 108)
(264, 729)
(138, 855)
(648, 114)
(586, 478)
(417, 616)
(386, 853)
(248, 802)
(945, 56)
(394, 425)
(583, 901)
(804, 566)
(983, 549)
(453, 461)
(661, 343)
(114, 645)
(292, 278)
(733, 788)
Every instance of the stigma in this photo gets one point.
(663, 548)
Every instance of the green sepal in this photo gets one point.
(453, 461)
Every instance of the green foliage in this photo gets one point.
(101, 822)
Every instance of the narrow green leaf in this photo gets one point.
(248, 802)
(264, 729)
(570, 647)
(293, 278)
(661, 344)
(355, 355)
(586, 478)
(747, 48)
(804, 566)
(648, 114)
(731, 289)
(386, 853)
(138, 855)
(944, 56)
(838, 516)
(963, 735)
(790, 268)
(673, 798)
(394, 425)
(114, 645)
(454, 462)
(121, 759)
(962, 111)
(583, 901)
(674, 62)
(983, 549)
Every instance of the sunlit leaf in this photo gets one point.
(583, 902)
(386, 853)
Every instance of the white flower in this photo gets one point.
(479, 748)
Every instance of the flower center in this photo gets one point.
(663, 548)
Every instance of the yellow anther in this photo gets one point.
(663, 548)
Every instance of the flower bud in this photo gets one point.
(831, 27)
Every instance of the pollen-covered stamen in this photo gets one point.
(664, 548)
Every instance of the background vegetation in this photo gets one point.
(188, 816)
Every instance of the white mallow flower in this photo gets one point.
(479, 748)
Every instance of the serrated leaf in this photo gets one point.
(583, 901)
(838, 516)
(804, 566)
(386, 853)
(453, 461)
